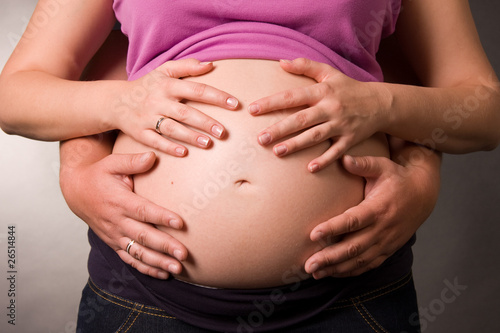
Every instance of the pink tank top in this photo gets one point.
(342, 33)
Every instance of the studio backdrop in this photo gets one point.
(457, 270)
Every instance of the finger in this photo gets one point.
(287, 99)
(294, 123)
(147, 256)
(142, 267)
(155, 240)
(184, 68)
(352, 248)
(143, 210)
(355, 267)
(172, 129)
(313, 69)
(161, 143)
(372, 256)
(365, 166)
(333, 153)
(192, 90)
(353, 219)
(129, 164)
(194, 118)
(203, 93)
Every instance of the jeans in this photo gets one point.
(392, 308)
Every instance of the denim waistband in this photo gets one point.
(355, 301)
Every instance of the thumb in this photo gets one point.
(130, 164)
(364, 166)
(313, 69)
(185, 67)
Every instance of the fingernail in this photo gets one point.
(232, 102)
(264, 138)
(204, 141)
(145, 157)
(217, 131)
(317, 235)
(320, 274)
(280, 150)
(313, 268)
(180, 151)
(352, 159)
(163, 275)
(205, 63)
(285, 61)
(173, 268)
(176, 224)
(314, 167)
(254, 109)
(178, 255)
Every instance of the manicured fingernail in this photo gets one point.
(178, 255)
(162, 275)
(264, 138)
(280, 150)
(314, 167)
(217, 131)
(254, 109)
(205, 63)
(285, 61)
(181, 151)
(232, 102)
(203, 140)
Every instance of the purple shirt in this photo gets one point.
(343, 33)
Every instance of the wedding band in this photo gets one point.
(158, 123)
(129, 246)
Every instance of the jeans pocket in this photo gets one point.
(131, 319)
(100, 312)
(390, 309)
(369, 319)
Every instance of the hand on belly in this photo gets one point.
(247, 213)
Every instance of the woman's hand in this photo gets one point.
(154, 104)
(101, 194)
(340, 109)
(398, 199)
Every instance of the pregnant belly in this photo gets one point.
(248, 213)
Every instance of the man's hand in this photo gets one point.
(398, 199)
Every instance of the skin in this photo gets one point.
(372, 231)
(51, 98)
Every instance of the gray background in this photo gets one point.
(458, 244)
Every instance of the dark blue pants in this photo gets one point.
(392, 308)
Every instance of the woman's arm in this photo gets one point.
(458, 110)
(98, 188)
(39, 92)
(390, 214)
(41, 97)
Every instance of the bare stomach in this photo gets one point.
(248, 213)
